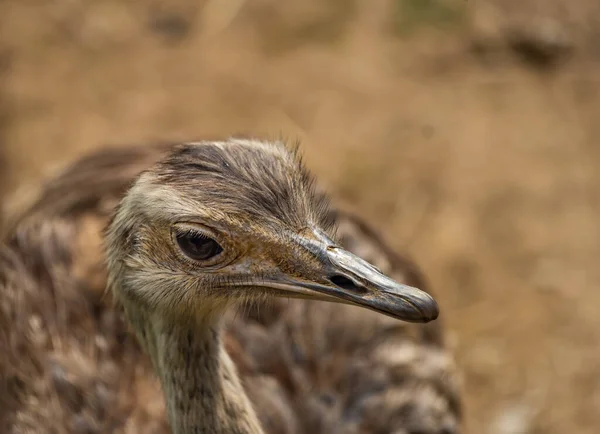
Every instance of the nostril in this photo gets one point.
(345, 283)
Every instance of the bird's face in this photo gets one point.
(233, 221)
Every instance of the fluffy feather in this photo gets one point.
(70, 364)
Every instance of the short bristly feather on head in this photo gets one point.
(261, 190)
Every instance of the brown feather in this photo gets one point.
(70, 364)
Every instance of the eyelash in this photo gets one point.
(193, 233)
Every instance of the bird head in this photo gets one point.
(216, 223)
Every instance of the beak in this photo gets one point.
(349, 279)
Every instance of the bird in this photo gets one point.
(209, 287)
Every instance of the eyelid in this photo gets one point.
(193, 232)
(195, 229)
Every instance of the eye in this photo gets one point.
(197, 246)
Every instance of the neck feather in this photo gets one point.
(202, 390)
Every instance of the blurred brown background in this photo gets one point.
(467, 131)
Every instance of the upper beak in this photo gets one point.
(350, 279)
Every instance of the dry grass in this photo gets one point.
(486, 172)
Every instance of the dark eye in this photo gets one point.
(198, 246)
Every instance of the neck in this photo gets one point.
(200, 382)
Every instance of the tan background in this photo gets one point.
(436, 119)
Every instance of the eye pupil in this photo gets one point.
(198, 246)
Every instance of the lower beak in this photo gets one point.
(349, 279)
